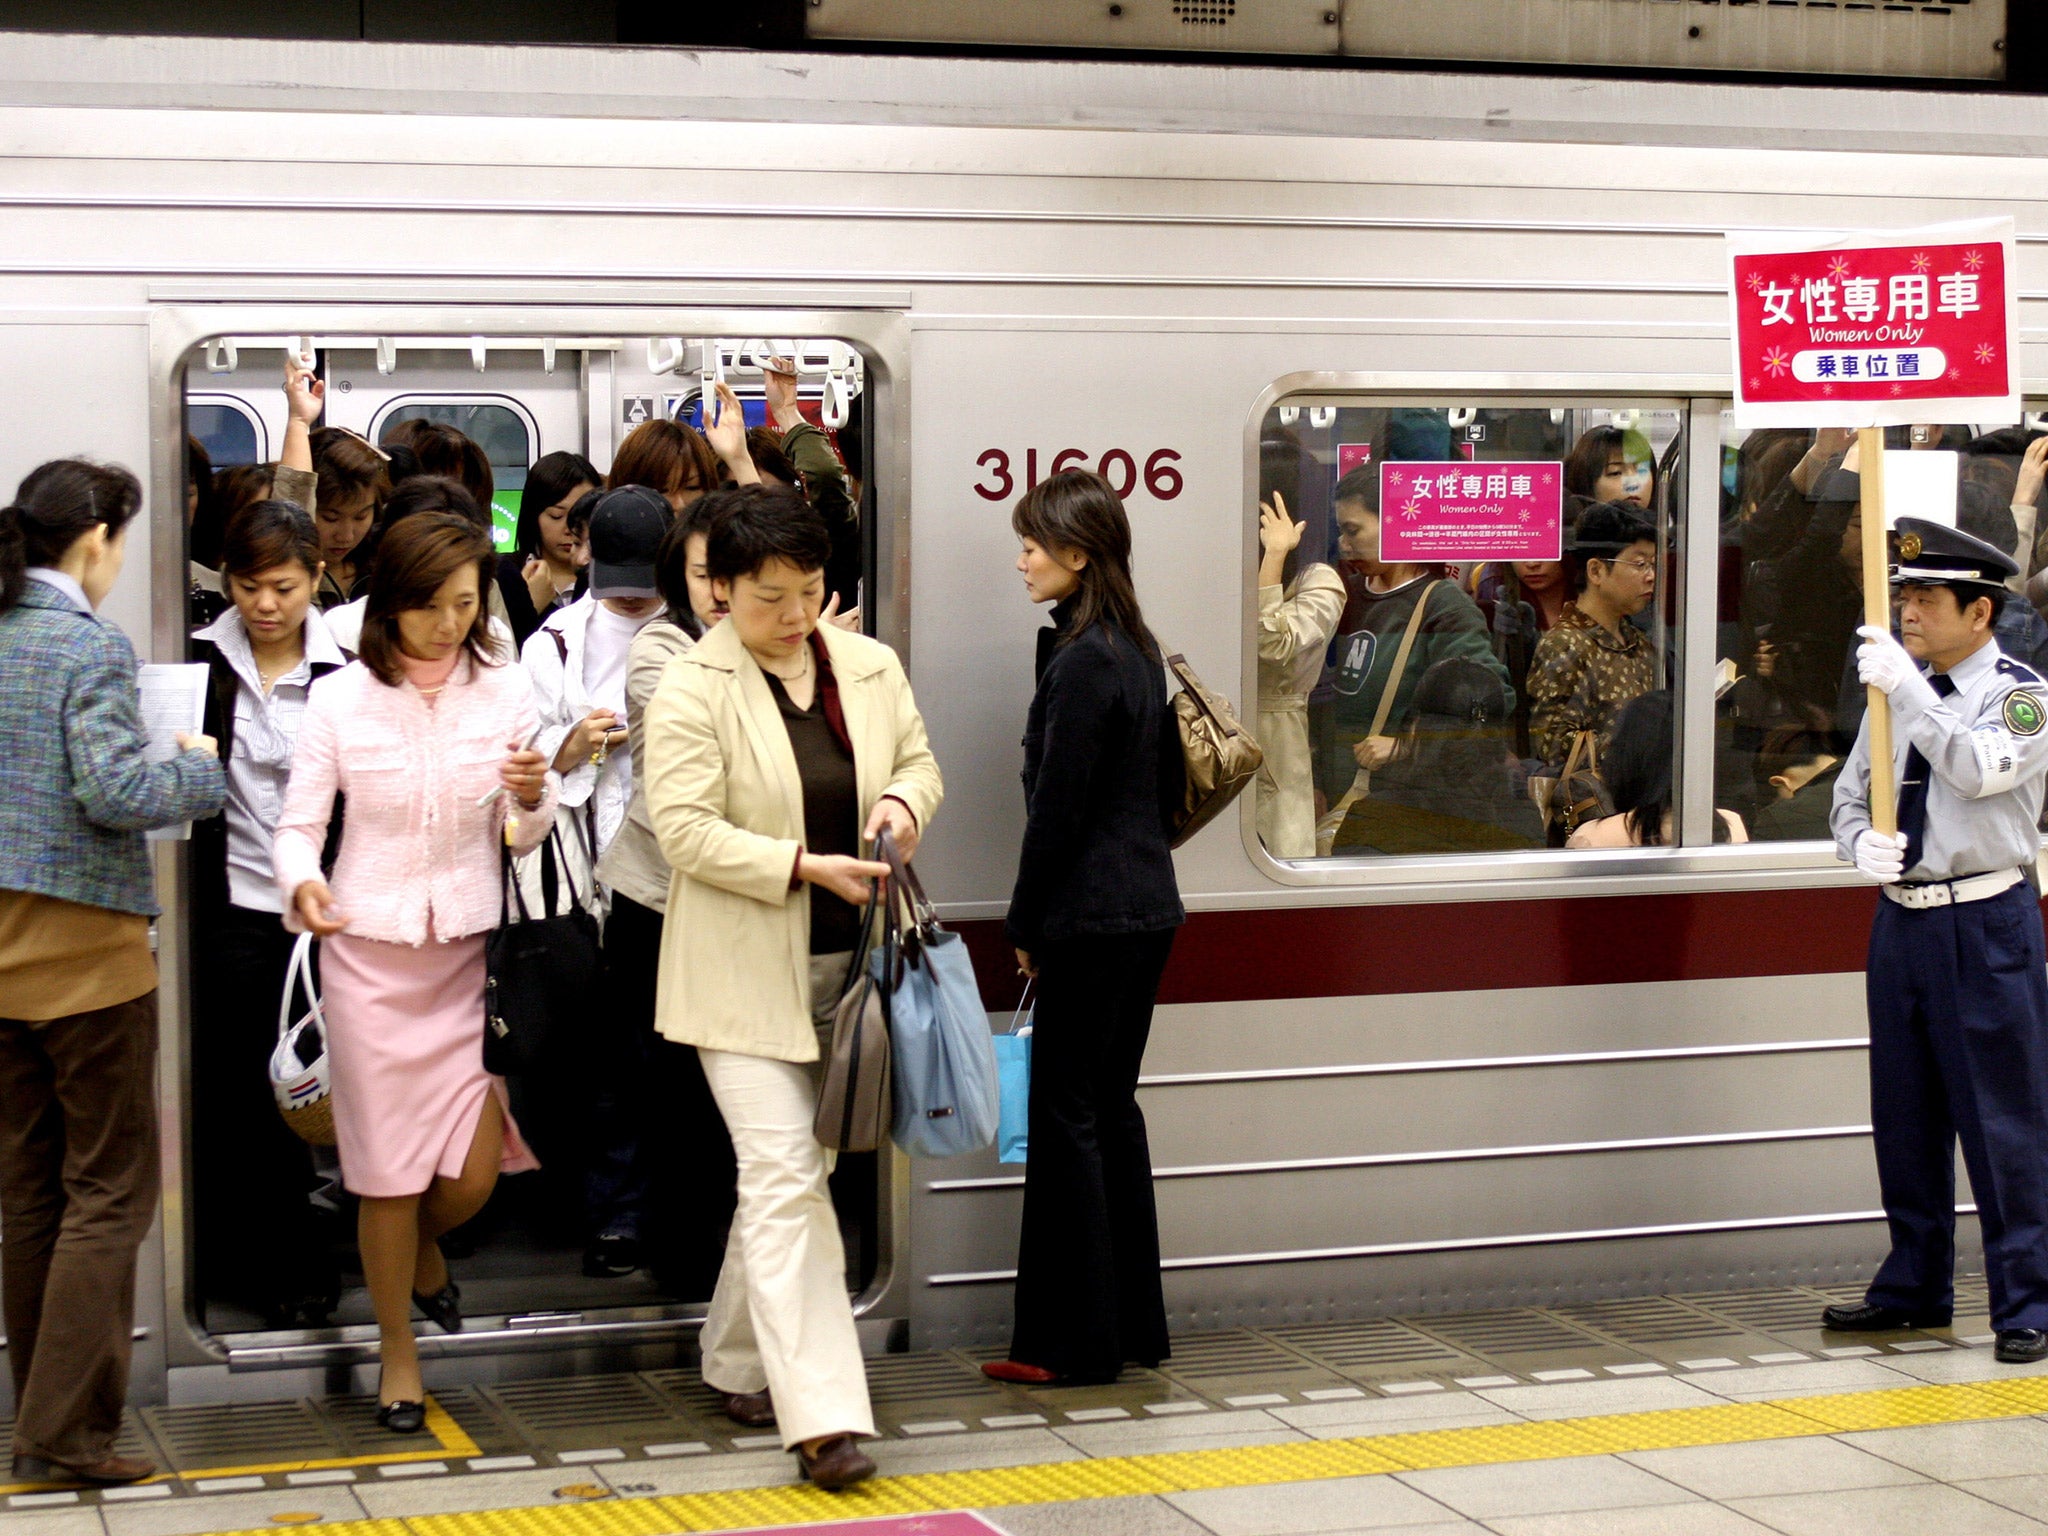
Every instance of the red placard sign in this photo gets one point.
(1875, 329)
(1461, 511)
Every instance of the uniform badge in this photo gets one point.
(2024, 713)
(1909, 546)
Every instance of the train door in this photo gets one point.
(525, 1265)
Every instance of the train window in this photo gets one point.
(228, 430)
(1465, 629)
(504, 432)
(1791, 597)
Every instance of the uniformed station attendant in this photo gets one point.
(1958, 981)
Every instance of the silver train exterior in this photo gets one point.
(1434, 1084)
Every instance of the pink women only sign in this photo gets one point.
(1460, 511)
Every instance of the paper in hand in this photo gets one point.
(173, 700)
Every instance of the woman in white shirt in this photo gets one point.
(578, 662)
(262, 1244)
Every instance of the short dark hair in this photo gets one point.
(1602, 532)
(1362, 485)
(422, 493)
(345, 467)
(445, 450)
(553, 476)
(665, 456)
(764, 447)
(672, 561)
(413, 559)
(1967, 592)
(751, 525)
(267, 534)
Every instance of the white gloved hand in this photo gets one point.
(1881, 661)
(1881, 857)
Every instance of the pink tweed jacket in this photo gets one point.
(419, 856)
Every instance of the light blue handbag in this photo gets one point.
(944, 1063)
(1013, 1081)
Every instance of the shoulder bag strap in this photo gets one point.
(1400, 669)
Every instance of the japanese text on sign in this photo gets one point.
(1462, 511)
(1856, 330)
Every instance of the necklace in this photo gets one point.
(800, 673)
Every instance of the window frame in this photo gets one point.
(1696, 863)
(511, 403)
(241, 408)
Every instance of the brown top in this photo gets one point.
(59, 958)
(1579, 679)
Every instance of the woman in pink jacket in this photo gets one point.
(426, 735)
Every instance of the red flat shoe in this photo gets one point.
(1020, 1373)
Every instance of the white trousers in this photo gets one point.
(780, 1317)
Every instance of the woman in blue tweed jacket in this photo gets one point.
(78, 1136)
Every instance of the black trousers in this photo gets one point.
(261, 1241)
(1088, 1292)
(661, 1165)
(1959, 1053)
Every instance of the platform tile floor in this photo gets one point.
(1666, 1416)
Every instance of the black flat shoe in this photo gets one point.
(2022, 1346)
(443, 1308)
(1869, 1317)
(612, 1258)
(403, 1417)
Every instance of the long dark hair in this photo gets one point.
(1076, 509)
(55, 506)
(1638, 765)
(553, 476)
(672, 562)
(413, 558)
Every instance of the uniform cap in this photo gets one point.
(626, 528)
(1933, 554)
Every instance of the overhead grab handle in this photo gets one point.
(387, 355)
(1462, 415)
(837, 408)
(1322, 416)
(1289, 415)
(220, 355)
(547, 355)
(664, 354)
(306, 352)
(478, 352)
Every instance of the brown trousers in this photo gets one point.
(78, 1189)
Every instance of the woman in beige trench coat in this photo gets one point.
(1296, 621)
(776, 747)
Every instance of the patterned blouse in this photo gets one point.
(1580, 678)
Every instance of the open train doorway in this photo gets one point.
(262, 1262)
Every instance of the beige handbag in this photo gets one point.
(1220, 755)
(856, 1101)
(1361, 782)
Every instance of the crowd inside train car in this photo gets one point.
(404, 732)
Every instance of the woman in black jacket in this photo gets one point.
(1092, 917)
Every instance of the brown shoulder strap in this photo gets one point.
(1379, 717)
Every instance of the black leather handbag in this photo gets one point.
(539, 972)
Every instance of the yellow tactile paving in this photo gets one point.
(1182, 1471)
(453, 1442)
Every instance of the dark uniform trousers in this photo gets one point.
(1088, 1290)
(78, 1189)
(1958, 1000)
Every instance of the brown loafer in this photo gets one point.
(839, 1463)
(756, 1410)
(110, 1471)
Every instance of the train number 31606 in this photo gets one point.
(1161, 475)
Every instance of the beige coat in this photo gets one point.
(1294, 627)
(726, 802)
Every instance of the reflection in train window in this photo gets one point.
(504, 433)
(1791, 597)
(230, 433)
(1465, 627)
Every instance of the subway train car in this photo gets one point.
(1419, 1071)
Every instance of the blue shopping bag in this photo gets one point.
(944, 1061)
(1013, 1084)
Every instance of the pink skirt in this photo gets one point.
(405, 1044)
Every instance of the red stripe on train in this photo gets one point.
(1273, 952)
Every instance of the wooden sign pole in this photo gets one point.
(1877, 612)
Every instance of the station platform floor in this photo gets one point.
(1691, 1415)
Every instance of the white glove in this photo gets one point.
(1880, 857)
(1882, 661)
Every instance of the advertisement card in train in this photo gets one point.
(1462, 511)
(1875, 328)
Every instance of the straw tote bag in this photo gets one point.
(299, 1078)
